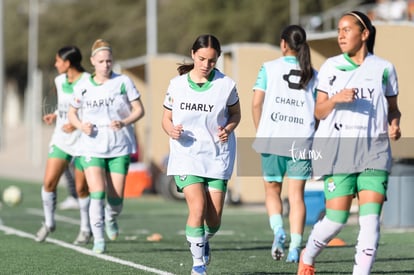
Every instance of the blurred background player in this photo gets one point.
(286, 86)
(63, 146)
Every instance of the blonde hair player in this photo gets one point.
(110, 105)
(358, 112)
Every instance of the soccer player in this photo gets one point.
(358, 112)
(282, 108)
(109, 105)
(63, 146)
(201, 111)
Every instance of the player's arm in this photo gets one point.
(394, 116)
(137, 112)
(257, 106)
(75, 121)
(325, 104)
(168, 126)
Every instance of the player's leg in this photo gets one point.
(298, 172)
(297, 215)
(71, 201)
(339, 191)
(82, 190)
(372, 186)
(95, 173)
(195, 196)
(55, 165)
(215, 196)
(118, 169)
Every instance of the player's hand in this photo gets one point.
(68, 128)
(176, 131)
(394, 132)
(345, 96)
(87, 128)
(116, 125)
(223, 134)
(49, 118)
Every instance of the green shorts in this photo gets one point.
(118, 165)
(77, 163)
(340, 185)
(275, 167)
(56, 152)
(183, 181)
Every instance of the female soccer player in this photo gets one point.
(109, 104)
(357, 106)
(201, 111)
(63, 145)
(283, 107)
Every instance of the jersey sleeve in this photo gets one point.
(131, 90)
(261, 81)
(322, 82)
(391, 81)
(168, 100)
(233, 98)
(76, 101)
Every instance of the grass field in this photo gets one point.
(242, 247)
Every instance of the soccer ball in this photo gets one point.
(12, 195)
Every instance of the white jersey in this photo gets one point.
(64, 89)
(354, 136)
(201, 111)
(100, 105)
(287, 122)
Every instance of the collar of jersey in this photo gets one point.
(67, 86)
(348, 67)
(93, 81)
(205, 85)
(290, 59)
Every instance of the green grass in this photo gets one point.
(242, 247)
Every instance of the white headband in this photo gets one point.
(101, 49)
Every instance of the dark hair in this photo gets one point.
(73, 55)
(365, 23)
(295, 37)
(203, 41)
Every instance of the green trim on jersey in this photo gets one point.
(123, 89)
(385, 77)
(349, 67)
(205, 86)
(67, 87)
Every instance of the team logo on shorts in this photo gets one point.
(331, 185)
(182, 178)
(88, 159)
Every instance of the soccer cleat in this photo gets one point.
(305, 269)
(278, 245)
(293, 255)
(207, 254)
(111, 229)
(83, 238)
(43, 232)
(69, 203)
(199, 270)
(99, 247)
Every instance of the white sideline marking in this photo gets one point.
(13, 231)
